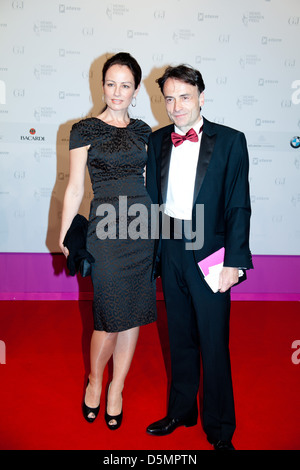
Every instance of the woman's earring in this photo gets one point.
(133, 102)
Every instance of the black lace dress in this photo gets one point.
(119, 223)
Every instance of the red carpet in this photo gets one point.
(42, 382)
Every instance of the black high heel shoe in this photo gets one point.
(118, 419)
(87, 410)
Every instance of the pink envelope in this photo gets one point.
(212, 260)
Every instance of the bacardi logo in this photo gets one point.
(32, 136)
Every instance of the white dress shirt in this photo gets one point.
(182, 173)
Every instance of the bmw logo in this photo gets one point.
(295, 142)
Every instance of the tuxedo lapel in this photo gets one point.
(205, 153)
(166, 151)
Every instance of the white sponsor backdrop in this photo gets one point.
(52, 53)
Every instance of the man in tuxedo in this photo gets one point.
(195, 163)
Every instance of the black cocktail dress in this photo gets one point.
(119, 235)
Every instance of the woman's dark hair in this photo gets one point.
(185, 73)
(123, 58)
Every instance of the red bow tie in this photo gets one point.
(178, 139)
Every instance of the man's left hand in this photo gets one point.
(228, 277)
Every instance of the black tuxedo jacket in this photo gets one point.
(221, 185)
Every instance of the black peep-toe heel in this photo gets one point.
(118, 418)
(87, 410)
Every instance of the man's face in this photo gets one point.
(183, 103)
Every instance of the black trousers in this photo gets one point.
(198, 322)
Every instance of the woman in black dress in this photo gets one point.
(114, 148)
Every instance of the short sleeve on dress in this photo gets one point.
(142, 129)
(78, 136)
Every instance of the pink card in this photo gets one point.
(212, 260)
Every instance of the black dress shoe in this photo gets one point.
(168, 425)
(223, 445)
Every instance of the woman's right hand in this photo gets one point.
(64, 249)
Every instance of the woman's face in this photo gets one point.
(119, 87)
